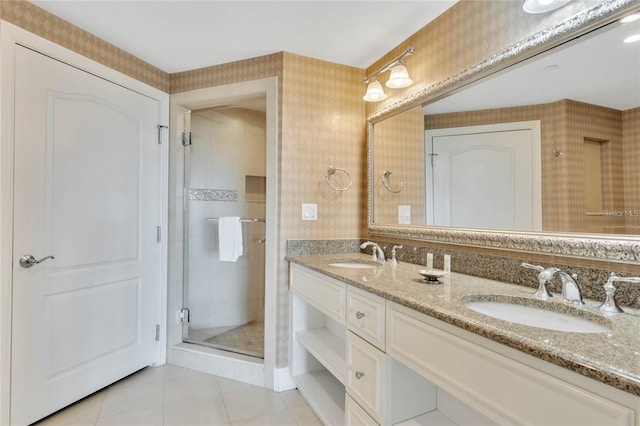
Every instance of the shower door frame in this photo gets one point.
(182, 103)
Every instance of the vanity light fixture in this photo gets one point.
(398, 79)
(375, 92)
(542, 6)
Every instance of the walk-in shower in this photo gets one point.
(225, 198)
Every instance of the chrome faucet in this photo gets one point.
(544, 275)
(570, 291)
(377, 251)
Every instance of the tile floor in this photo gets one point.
(171, 395)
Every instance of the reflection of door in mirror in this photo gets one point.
(564, 127)
(484, 176)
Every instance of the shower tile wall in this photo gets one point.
(226, 147)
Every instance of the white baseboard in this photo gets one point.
(282, 380)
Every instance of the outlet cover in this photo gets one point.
(309, 212)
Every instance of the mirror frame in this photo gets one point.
(591, 246)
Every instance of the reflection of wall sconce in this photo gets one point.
(398, 79)
(542, 6)
(387, 184)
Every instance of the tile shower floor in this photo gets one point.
(248, 338)
(171, 395)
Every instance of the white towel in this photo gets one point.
(230, 238)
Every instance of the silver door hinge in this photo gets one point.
(158, 234)
(184, 315)
(432, 155)
(186, 138)
(157, 332)
(160, 127)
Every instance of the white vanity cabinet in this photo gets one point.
(337, 355)
(359, 359)
(504, 388)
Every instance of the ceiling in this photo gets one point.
(181, 35)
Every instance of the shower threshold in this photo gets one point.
(224, 348)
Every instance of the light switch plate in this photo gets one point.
(404, 215)
(309, 212)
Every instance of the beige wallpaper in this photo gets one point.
(631, 168)
(399, 148)
(564, 125)
(232, 72)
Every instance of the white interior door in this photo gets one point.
(485, 177)
(87, 191)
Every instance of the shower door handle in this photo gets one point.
(27, 261)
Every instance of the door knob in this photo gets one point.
(27, 261)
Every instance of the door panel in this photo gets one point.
(109, 204)
(484, 177)
(87, 191)
(109, 323)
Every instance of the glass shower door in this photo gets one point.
(225, 168)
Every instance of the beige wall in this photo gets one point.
(631, 167)
(399, 148)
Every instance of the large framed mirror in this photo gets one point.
(535, 149)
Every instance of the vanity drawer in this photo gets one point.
(366, 316)
(354, 415)
(366, 370)
(322, 292)
(505, 390)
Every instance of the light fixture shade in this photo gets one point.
(374, 92)
(399, 77)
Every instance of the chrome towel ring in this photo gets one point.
(387, 184)
(331, 171)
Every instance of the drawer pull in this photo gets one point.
(359, 375)
(359, 315)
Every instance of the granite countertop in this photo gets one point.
(612, 357)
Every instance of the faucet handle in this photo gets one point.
(530, 266)
(374, 256)
(394, 260)
(545, 275)
(610, 305)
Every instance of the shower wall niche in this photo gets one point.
(225, 169)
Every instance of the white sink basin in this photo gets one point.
(354, 265)
(536, 317)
